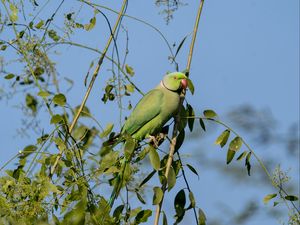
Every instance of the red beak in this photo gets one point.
(184, 83)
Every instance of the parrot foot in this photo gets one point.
(153, 141)
(157, 140)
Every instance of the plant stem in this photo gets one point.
(177, 119)
(279, 187)
(95, 74)
(188, 67)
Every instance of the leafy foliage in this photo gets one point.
(60, 179)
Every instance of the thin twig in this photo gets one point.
(279, 187)
(95, 74)
(188, 67)
(187, 185)
(177, 119)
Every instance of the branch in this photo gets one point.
(188, 67)
(95, 74)
(177, 119)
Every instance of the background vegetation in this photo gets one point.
(65, 176)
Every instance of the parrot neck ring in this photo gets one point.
(183, 85)
(163, 85)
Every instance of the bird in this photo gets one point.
(153, 110)
(148, 117)
(156, 108)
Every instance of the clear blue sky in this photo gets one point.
(247, 52)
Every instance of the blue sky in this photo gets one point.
(247, 52)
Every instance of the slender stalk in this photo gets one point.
(98, 67)
(188, 186)
(177, 119)
(262, 165)
(95, 74)
(194, 36)
(136, 19)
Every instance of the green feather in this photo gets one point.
(155, 108)
(149, 116)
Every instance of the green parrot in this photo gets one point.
(149, 116)
(156, 108)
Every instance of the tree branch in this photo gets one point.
(177, 119)
(95, 74)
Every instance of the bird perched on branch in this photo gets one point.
(149, 116)
(156, 108)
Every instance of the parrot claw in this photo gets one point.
(157, 140)
(152, 139)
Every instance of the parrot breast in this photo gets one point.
(151, 113)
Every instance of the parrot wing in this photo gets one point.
(146, 109)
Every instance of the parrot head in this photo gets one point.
(175, 81)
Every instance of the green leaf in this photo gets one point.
(118, 211)
(39, 24)
(157, 196)
(236, 144)
(108, 160)
(129, 88)
(192, 169)
(183, 118)
(108, 88)
(179, 203)
(91, 25)
(150, 175)
(56, 119)
(291, 198)
(129, 147)
(154, 158)
(223, 138)
(230, 155)
(9, 76)
(53, 35)
(192, 200)
(209, 113)
(162, 177)
(201, 217)
(14, 12)
(176, 164)
(268, 197)
(42, 139)
(107, 130)
(142, 154)
(21, 34)
(129, 70)
(165, 220)
(190, 86)
(140, 197)
(30, 25)
(69, 15)
(202, 124)
(180, 139)
(242, 155)
(179, 46)
(247, 162)
(27, 151)
(79, 25)
(38, 71)
(191, 114)
(31, 103)
(59, 99)
(143, 216)
(43, 94)
(3, 47)
(275, 203)
(171, 178)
